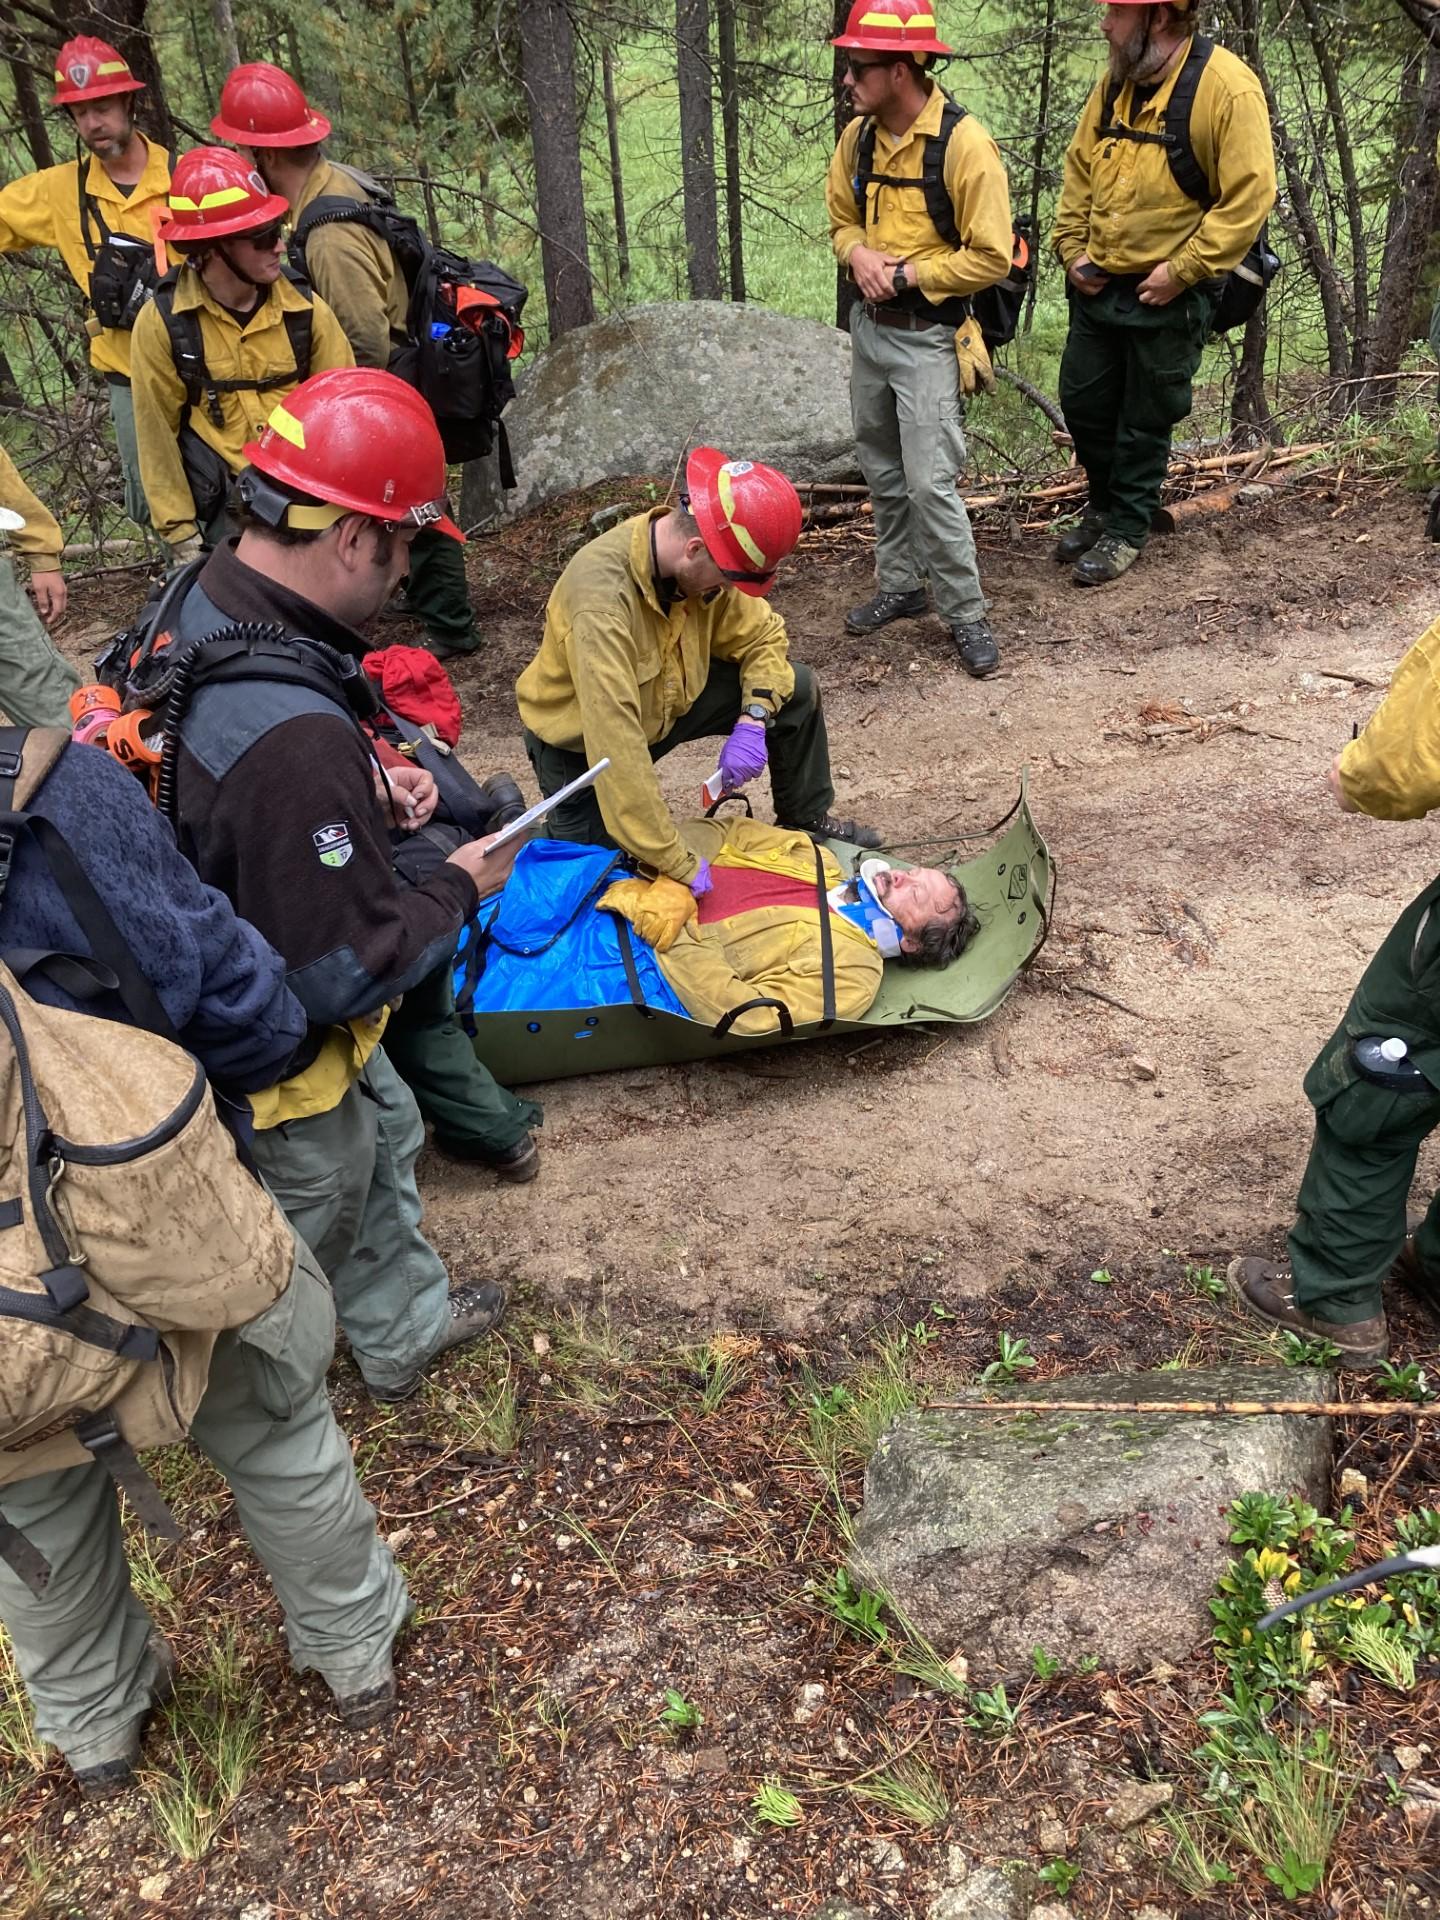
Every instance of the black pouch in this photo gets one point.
(1244, 287)
(122, 278)
(207, 476)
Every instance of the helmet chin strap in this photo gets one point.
(239, 272)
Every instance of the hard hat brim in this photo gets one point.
(102, 90)
(315, 129)
(893, 43)
(183, 233)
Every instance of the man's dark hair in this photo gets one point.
(944, 939)
(288, 536)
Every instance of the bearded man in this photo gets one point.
(1167, 183)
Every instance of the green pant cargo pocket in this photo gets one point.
(287, 1349)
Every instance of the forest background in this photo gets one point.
(610, 152)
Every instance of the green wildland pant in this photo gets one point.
(1125, 382)
(35, 681)
(800, 782)
(345, 1181)
(908, 412)
(122, 418)
(266, 1424)
(438, 594)
(459, 1096)
(1350, 1215)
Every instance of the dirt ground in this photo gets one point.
(1135, 1103)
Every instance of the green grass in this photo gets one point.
(211, 1743)
(910, 1788)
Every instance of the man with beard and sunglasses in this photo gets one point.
(659, 632)
(228, 333)
(1144, 260)
(98, 211)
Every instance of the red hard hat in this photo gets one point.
(261, 106)
(360, 440)
(893, 26)
(215, 192)
(748, 515)
(91, 69)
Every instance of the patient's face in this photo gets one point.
(914, 896)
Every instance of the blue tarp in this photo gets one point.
(548, 946)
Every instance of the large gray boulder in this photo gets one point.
(630, 393)
(1082, 1533)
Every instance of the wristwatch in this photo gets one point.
(756, 712)
(897, 279)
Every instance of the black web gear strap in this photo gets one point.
(1185, 168)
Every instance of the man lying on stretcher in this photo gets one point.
(556, 938)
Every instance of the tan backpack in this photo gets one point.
(130, 1232)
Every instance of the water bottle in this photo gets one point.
(1386, 1062)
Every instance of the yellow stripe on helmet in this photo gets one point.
(207, 203)
(893, 20)
(726, 494)
(112, 66)
(283, 422)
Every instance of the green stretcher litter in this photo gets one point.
(1011, 886)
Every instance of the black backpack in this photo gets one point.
(1242, 289)
(998, 307)
(123, 272)
(462, 325)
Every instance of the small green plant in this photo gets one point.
(1382, 1651)
(1102, 1277)
(909, 1788)
(1013, 1358)
(1045, 1664)
(774, 1805)
(1205, 1281)
(1402, 1383)
(1087, 1663)
(830, 1402)
(1297, 1351)
(1059, 1874)
(991, 1713)
(1294, 1876)
(679, 1714)
(854, 1607)
(719, 1367)
(213, 1729)
(1189, 1863)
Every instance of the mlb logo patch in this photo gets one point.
(333, 844)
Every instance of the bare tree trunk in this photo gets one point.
(846, 291)
(1412, 223)
(1037, 155)
(10, 394)
(27, 100)
(697, 147)
(1345, 157)
(197, 47)
(412, 103)
(547, 58)
(1312, 241)
(1250, 415)
(617, 178)
(224, 16)
(730, 121)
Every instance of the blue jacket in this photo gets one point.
(222, 985)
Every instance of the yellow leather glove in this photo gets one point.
(974, 358)
(657, 909)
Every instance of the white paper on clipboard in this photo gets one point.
(538, 812)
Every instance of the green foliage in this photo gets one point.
(991, 1713)
(1298, 1351)
(774, 1805)
(1045, 1664)
(1394, 1382)
(1014, 1358)
(1204, 1280)
(855, 1608)
(679, 1714)
(1102, 1277)
(211, 1746)
(910, 1789)
(1059, 1875)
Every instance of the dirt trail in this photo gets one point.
(1206, 880)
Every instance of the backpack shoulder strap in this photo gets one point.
(187, 346)
(1188, 174)
(938, 204)
(89, 208)
(300, 324)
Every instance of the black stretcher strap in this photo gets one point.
(727, 1020)
(632, 972)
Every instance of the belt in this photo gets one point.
(117, 379)
(902, 317)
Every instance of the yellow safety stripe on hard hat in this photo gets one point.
(727, 507)
(283, 422)
(112, 66)
(894, 20)
(222, 197)
(314, 519)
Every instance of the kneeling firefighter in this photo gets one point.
(266, 769)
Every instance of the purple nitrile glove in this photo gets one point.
(701, 883)
(744, 754)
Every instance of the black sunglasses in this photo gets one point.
(865, 66)
(267, 237)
